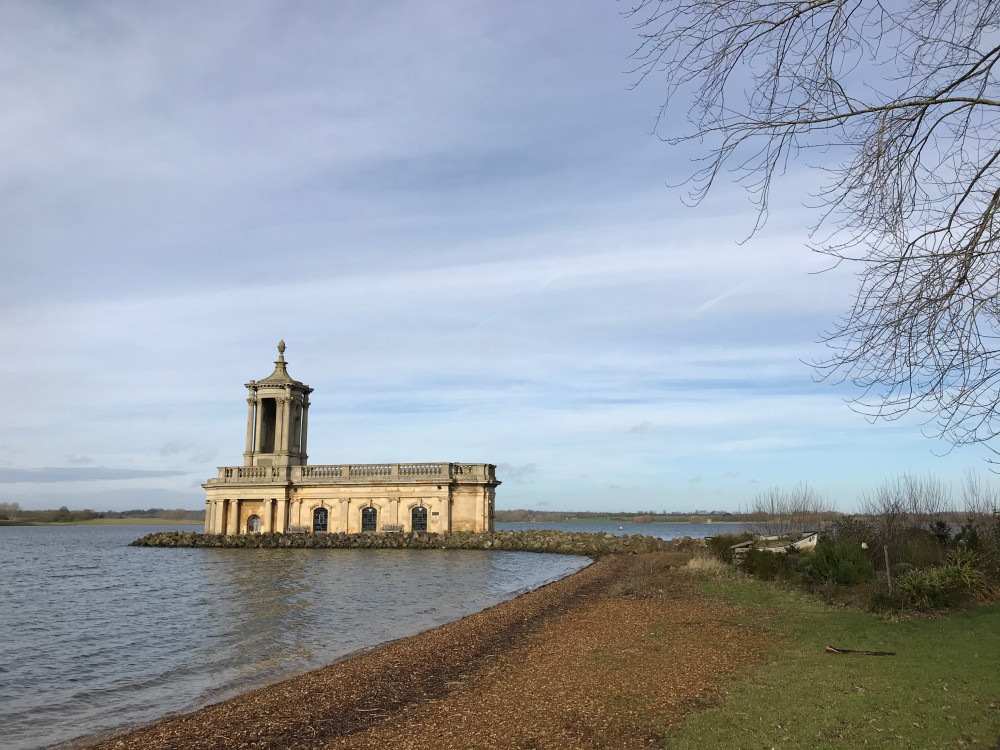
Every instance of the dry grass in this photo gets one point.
(707, 564)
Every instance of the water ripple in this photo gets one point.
(99, 635)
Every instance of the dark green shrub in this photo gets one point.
(766, 565)
(941, 531)
(969, 536)
(944, 586)
(720, 545)
(900, 569)
(916, 546)
(834, 561)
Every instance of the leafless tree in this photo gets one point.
(778, 511)
(981, 500)
(905, 502)
(900, 103)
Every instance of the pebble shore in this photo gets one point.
(609, 657)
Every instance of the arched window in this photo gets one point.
(418, 519)
(320, 516)
(369, 519)
(253, 525)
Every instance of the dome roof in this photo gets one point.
(280, 376)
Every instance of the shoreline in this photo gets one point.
(402, 693)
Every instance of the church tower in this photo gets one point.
(277, 418)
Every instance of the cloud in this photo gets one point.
(78, 474)
(512, 473)
(79, 460)
(641, 428)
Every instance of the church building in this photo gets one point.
(277, 490)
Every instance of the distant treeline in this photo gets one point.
(641, 516)
(14, 512)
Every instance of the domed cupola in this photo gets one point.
(277, 418)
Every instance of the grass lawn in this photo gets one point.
(941, 690)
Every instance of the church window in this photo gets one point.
(320, 516)
(418, 519)
(253, 525)
(369, 519)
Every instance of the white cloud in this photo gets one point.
(453, 214)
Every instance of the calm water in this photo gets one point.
(97, 635)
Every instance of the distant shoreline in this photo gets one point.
(106, 522)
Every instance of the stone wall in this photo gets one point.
(563, 542)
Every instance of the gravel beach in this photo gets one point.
(610, 657)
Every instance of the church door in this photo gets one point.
(369, 519)
(320, 516)
(253, 525)
(418, 519)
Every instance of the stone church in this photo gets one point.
(277, 490)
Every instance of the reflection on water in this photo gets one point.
(98, 634)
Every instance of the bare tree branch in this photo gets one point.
(903, 101)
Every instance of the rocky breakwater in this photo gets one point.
(562, 542)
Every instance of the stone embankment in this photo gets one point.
(562, 542)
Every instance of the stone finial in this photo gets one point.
(281, 350)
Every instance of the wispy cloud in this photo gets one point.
(78, 474)
(464, 239)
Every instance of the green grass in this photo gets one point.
(941, 690)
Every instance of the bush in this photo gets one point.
(766, 565)
(834, 561)
(720, 545)
(944, 586)
(916, 546)
(900, 569)
(847, 529)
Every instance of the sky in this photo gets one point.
(456, 216)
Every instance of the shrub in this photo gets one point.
(847, 529)
(766, 565)
(941, 531)
(918, 547)
(720, 545)
(943, 586)
(900, 569)
(834, 561)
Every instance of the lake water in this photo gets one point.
(97, 635)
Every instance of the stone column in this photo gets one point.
(281, 516)
(234, 517)
(251, 402)
(281, 428)
(345, 515)
(265, 525)
(258, 421)
(305, 425)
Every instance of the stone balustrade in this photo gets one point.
(353, 472)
